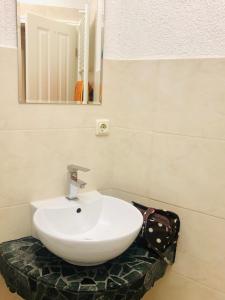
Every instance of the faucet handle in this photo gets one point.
(75, 169)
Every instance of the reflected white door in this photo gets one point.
(99, 26)
(51, 63)
(83, 53)
(86, 53)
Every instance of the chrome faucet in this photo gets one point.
(74, 183)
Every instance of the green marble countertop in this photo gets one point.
(36, 274)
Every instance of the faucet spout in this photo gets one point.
(74, 184)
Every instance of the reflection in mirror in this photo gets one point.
(60, 46)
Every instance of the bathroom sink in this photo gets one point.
(88, 231)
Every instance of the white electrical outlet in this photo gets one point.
(102, 127)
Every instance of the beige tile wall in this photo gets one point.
(166, 144)
(37, 142)
(169, 146)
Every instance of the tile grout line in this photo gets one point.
(16, 205)
(168, 133)
(170, 204)
(45, 129)
(163, 58)
(114, 127)
(197, 282)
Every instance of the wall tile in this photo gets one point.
(190, 98)
(15, 222)
(129, 91)
(132, 158)
(176, 287)
(189, 172)
(173, 96)
(179, 170)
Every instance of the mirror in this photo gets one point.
(60, 51)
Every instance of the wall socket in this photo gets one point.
(102, 127)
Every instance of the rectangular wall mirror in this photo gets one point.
(60, 51)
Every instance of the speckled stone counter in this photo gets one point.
(36, 274)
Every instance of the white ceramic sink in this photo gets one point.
(88, 231)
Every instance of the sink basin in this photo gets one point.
(88, 231)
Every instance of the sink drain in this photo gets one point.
(79, 210)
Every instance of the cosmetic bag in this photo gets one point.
(160, 230)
